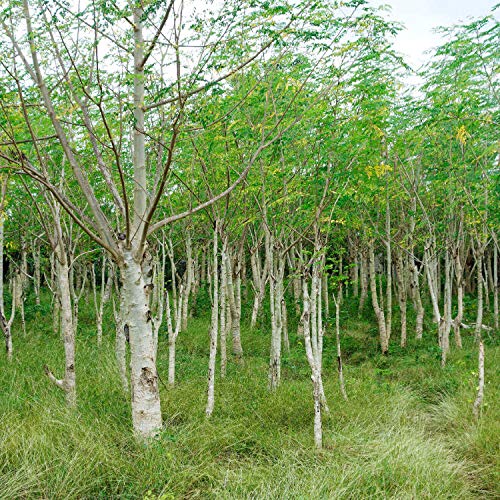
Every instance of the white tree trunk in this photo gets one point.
(68, 384)
(189, 273)
(495, 283)
(213, 331)
(339, 352)
(480, 285)
(445, 334)
(173, 333)
(7, 325)
(234, 298)
(363, 281)
(311, 345)
(275, 351)
(401, 277)
(36, 263)
(121, 341)
(103, 298)
(480, 387)
(388, 326)
(223, 312)
(146, 412)
(379, 313)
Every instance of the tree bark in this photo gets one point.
(145, 396)
(213, 331)
(379, 313)
(480, 387)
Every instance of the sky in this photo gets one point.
(421, 16)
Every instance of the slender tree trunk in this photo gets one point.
(36, 263)
(379, 313)
(339, 352)
(355, 268)
(223, 312)
(213, 332)
(431, 281)
(259, 278)
(188, 282)
(363, 279)
(419, 322)
(173, 333)
(297, 286)
(284, 325)
(3, 192)
(459, 280)
(495, 283)
(480, 387)
(445, 334)
(401, 277)
(68, 384)
(7, 325)
(233, 296)
(103, 298)
(388, 326)
(480, 287)
(311, 346)
(275, 354)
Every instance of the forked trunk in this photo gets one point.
(339, 351)
(68, 384)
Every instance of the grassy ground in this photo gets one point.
(407, 430)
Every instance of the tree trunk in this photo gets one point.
(379, 313)
(188, 281)
(36, 263)
(339, 352)
(275, 353)
(480, 386)
(480, 286)
(234, 304)
(7, 325)
(68, 384)
(495, 283)
(121, 340)
(213, 332)
(401, 277)
(311, 345)
(223, 307)
(445, 333)
(146, 412)
(388, 326)
(363, 279)
(173, 333)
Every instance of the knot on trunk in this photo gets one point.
(149, 378)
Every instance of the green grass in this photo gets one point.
(407, 430)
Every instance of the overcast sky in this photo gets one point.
(421, 16)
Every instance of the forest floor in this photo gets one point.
(407, 430)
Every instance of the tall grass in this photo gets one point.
(407, 430)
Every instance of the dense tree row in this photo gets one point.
(267, 160)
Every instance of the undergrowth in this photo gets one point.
(407, 430)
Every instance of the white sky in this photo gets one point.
(421, 16)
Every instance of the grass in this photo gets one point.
(407, 430)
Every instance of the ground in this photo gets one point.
(407, 430)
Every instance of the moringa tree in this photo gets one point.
(114, 88)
